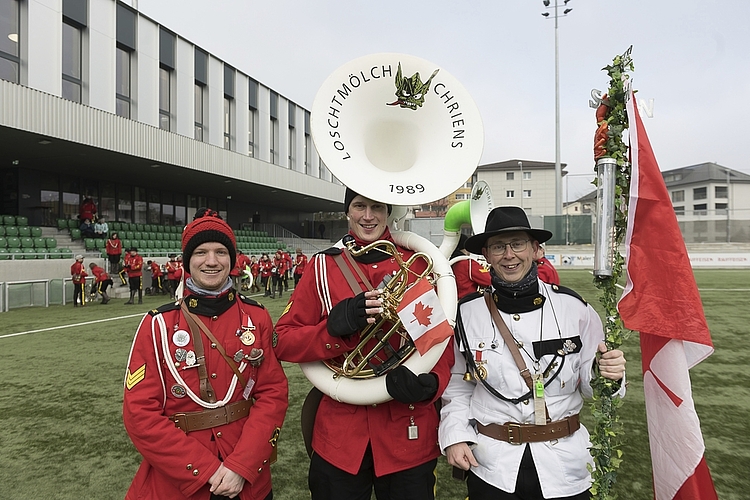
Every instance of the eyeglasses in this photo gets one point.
(515, 245)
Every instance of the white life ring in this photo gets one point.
(373, 390)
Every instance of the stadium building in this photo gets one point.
(98, 100)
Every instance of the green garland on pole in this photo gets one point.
(605, 435)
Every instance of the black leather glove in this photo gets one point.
(404, 386)
(347, 317)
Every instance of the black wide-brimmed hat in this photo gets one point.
(505, 220)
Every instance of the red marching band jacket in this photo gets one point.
(78, 273)
(471, 276)
(135, 264)
(177, 465)
(343, 431)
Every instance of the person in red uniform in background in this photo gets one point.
(102, 281)
(277, 274)
(205, 422)
(361, 447)
(123, 274)
(300, 261)
(471, 276)
(113, 247)
(134, 268)
(88, 210)
(545, 269)
(78, 274)
(171, 267)
(254, 271)
(156, 277)
(288, 263)
(238, 273)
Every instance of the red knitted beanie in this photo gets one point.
(207, 225)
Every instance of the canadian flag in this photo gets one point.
(662, 302)
(423, 316)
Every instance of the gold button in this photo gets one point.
(337, 346)
(219, 434)
(260, 469)
(374, 405)
(265, 461)
(195, 472)
(516, 317)
(213, 375)
(525, 401)
(481, 345)
(537, 301)
(213, 345)
(411, 407)
(215, 318)
(328, 346)
(177, 364)
(189, 466)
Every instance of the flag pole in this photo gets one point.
(613, 186)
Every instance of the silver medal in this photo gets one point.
(238, 356)
(181, 338)
(190, 358)
(180, 354)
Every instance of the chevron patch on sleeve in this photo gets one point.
(132, 379)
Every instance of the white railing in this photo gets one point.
(27, 287)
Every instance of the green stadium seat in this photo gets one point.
(14, 242)
(4, 254)
(137, 235)
(29, 253)
(126, 244)
(100, 243)
(143, 244)
(9, 220)
(11, 231)
(40, 243)
(89, 244)
(27, 242)
(2, 230)
(22, 220)
(15, 252)
(3, 242)
(150, 235)
(66, 253)
(62, 224)
(24, 231)
(36, 232)
(51, 242)
(75, 234)
(73, 224)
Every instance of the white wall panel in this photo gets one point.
(185, 74)
(242, 115)
(147, 93)
(44, 45)
(102, 41)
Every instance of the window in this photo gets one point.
(274, 112)
(469, 184)
(122, 84)
(141, 206)
(460, 196)
(292, 119)
(308, 155)
(124, 203)
(71, 62)
(700, 193)
(721, 192)
(509, 176)
(227, 123)
(700, 209)
(252, 99)
(678, 195)
(107, 202)
(9, 41)
(154, 207)
(50, 195)
(527, 193)
(527, 176)
(679, 210)
(198, 106)
(510, 193)
(721, 208)
(292, 152)
(165, 98)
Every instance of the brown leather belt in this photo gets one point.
(207, 419)
(529, 433)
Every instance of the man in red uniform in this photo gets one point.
(156, 277)
(277, 274)
(102, 281)
(113, 247)
(266, 270)
(134, 268)
(124, 271)
(205, 396)
(79, 281)
(300, 261)
(471, 276)
(171, 267)
(361, 447)
(288, 263)
(238, 273)
(545, 269)
(254, 271)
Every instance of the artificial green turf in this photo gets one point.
(61, 433)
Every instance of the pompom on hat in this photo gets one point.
(208, 226)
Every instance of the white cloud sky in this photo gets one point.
(691, 57)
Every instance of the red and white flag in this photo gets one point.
(662, 302)
(423, 316)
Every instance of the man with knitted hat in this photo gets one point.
(528, 353)
(390, 447)
(205, 396)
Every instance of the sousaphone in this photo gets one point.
(403, 131)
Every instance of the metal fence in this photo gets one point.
(36, 293)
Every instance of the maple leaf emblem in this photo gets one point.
(422, 314)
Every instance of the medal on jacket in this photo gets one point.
(540, 411)
(481, 370)
(413, 430)
(245, 333)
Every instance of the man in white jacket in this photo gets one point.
(530, 351)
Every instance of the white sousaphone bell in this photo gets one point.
(403, 131)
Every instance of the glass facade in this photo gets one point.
(165, 101)
(9, 40)
(122, 83)
(71, 63)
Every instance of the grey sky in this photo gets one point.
(691, 57)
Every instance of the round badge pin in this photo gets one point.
(178, 391)
(181, 338)
(180, 354)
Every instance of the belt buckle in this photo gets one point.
(514, 428)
